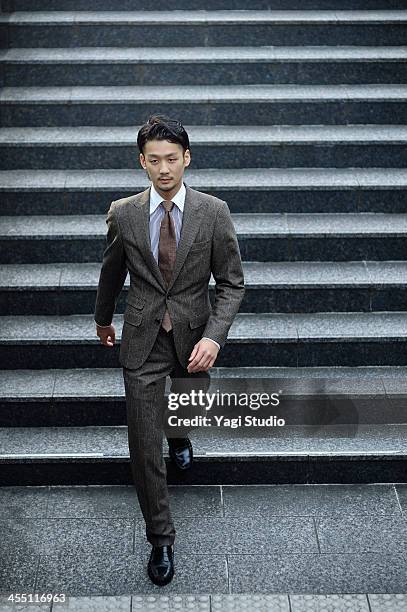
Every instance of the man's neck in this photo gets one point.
(168, 195)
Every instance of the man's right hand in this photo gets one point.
(107, 335)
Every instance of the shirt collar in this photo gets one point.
(178, 199)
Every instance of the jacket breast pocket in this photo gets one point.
(132, 315)
(201, 246)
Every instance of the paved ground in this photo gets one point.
(278, 545)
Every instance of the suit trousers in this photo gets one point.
(147, 412)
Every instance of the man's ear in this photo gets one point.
(187, 157)
(142, 160)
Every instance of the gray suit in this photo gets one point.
(208, 244)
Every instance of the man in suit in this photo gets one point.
(170, 238)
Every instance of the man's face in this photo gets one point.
(165, 163)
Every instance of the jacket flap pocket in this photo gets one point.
(132, 316)
(136, 301)
(198, 320)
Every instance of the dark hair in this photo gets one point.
(161, 127)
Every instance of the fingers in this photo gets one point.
(107, 336)
(201, 366)
(196, 357)
(194, 352)
(202, 361)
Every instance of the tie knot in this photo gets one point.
(167, 205)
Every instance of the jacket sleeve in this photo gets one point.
(113, 272)
(227, 270)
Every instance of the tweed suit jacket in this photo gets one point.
(208, 244)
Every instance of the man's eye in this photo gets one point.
(173, 160)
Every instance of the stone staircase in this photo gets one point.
(298, 119)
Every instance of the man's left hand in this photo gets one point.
(203, 356)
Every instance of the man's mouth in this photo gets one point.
(165, 180)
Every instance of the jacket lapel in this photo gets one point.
(191, 220)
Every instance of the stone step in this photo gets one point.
(262, 237)
(211, 105)
(203, 27)
(297, 455)
(104, 66)
(258, 190)
(303, 286)
(255, 339)
(134, 5)
(316, 396)
(229, 147)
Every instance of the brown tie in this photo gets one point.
(167, 250)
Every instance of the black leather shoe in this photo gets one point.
(180, 451)
(161, 565)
